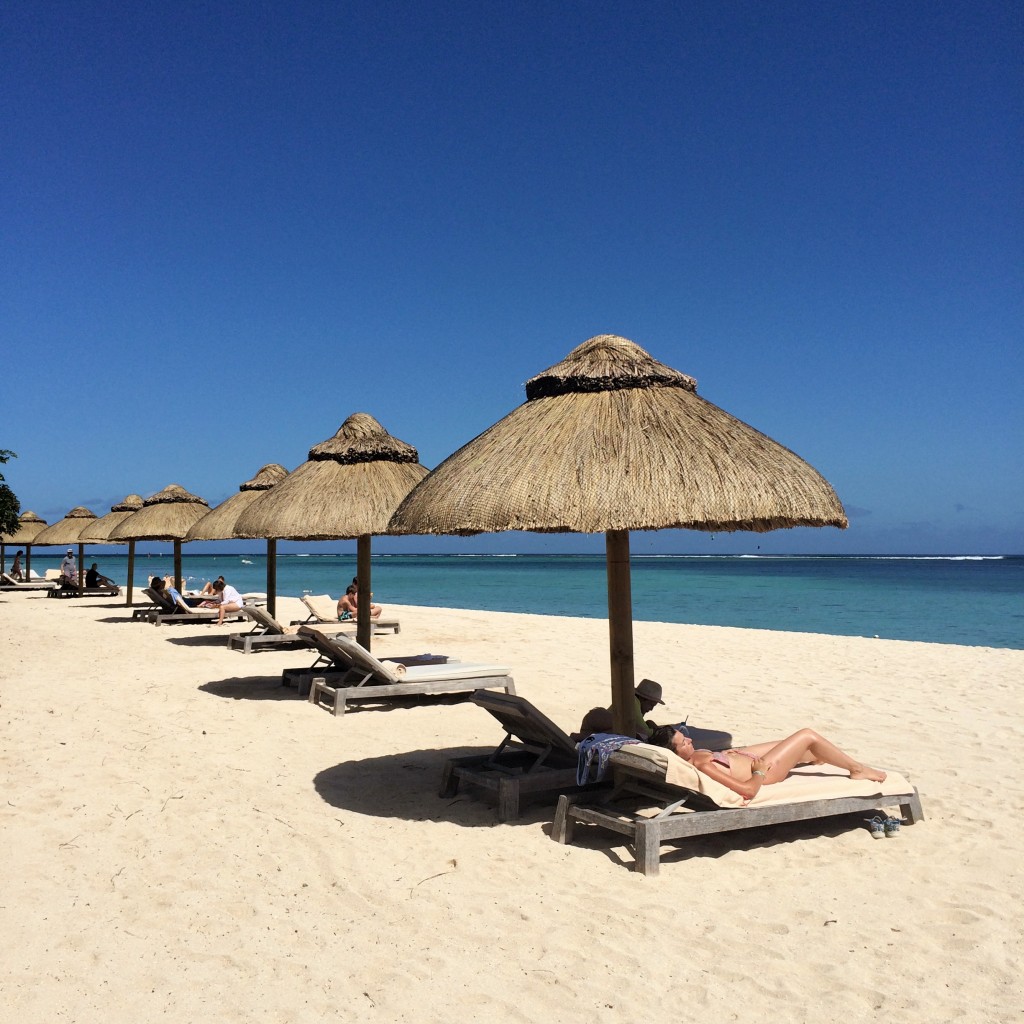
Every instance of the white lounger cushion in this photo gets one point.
(450, 670)
(810, 782)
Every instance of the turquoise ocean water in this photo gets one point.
(966, 600)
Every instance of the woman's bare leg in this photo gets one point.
(808, 745)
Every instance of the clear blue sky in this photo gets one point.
(225, 227)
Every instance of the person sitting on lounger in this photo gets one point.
(94, 579)
(348, 605)
(165, 595)
(230, 600)
(646, 697)
(16, 568)
(745, 770)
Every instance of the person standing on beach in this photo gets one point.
(69, 570)
(16, 568)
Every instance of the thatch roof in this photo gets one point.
(219, 523)
(29, 527)
(101, 529)
(349, 488)
(611, 439)
(67, 530)
(166, 515)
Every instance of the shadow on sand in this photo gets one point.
(406, 785)
(252, 687)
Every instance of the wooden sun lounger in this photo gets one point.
(535, 758)
(84, 592)
(267, 632)
(8, 582)
(324, 609)
(640, 781)
(333, 662)
(367, 678)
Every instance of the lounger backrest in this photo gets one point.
(9, 579)
(361, 658)
(323, 607)
(161, 600)
(263, 618)
(53, 574)
(326, 646)
(521, 719)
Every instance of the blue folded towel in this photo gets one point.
(599, 746)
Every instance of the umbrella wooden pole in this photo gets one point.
(81, 567)
(363, 621)
(272, 577)
(620, 630)
(28, 561)
(177, 564)
(131, 570)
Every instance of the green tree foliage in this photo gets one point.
(10, 508)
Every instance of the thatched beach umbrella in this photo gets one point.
(219, 523)
(167, 515)
(69, 531)
(29, 527)
(102, 528)
(348, 488)
(610, 440)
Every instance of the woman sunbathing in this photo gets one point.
(745, 770)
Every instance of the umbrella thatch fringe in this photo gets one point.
(605, 363)
(331, 500)
(272, 473)
(173, 494)
(362, 439)
(131, 503)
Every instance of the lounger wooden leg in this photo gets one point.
(508, 799)
(911, 809)
(339, 702)
(563, 826)
(648, 847)
(449, 781)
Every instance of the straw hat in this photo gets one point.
(648, 689)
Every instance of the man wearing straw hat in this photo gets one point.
(645, 697)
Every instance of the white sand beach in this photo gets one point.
(186, 840)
